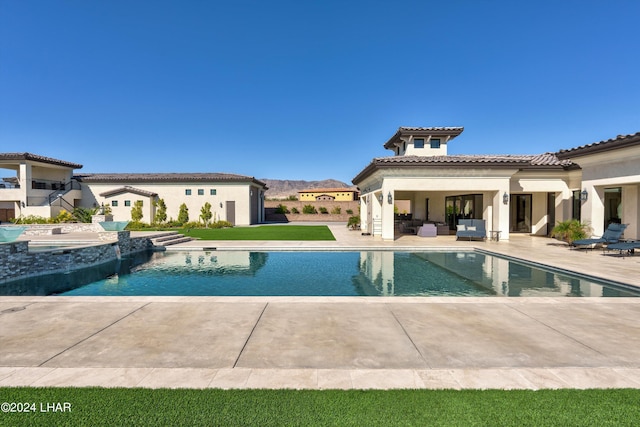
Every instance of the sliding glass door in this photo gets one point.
(465, 206)
(520, 215)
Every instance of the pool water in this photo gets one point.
(369, 273)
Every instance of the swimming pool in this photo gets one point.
(367, 273)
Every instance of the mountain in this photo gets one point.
(283, 188)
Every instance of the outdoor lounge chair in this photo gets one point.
(611, 235)
(628, 247)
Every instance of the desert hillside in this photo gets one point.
(283, 188)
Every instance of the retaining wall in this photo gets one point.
(16, 262)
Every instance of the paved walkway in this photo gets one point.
(334, 342)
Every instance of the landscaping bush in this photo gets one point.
(31, 219)
(295, 211)
(349, 211)
(571, 230)
(353, 222)
(161, 211)
(84, 215)
(309, 209)
(136, 211)
(282, 209)
(183, 215)
(205, 213)
(220, 224)
(64, 216)
(337, 210)
(323, 210)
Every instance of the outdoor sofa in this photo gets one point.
(471, 229)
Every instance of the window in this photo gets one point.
(127, 202)
(212, 192)
(200, 192)
(418, 143)
(435, 142)
(187, 192)
(114, 203)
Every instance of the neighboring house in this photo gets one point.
(43, 186)
(330, 194)
(40, 186)
(512, 193)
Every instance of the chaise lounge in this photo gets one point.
(611, 235)
(471, 229)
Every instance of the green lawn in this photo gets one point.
(263, 232)
(95, 406)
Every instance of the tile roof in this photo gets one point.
(522, 161)
(38, 158)
(423, 131)
(167, 177)
(128, 189)
(596, 147)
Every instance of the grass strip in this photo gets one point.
(132, 407)
(263, 232)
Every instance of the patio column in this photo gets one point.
(631, 210)
(592, 210)
(388, 231)
(24, 179)
(501, 212)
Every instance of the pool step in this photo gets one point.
(171, 238)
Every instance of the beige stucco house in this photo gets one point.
(330, 194)
(512, 193)
(43, 186)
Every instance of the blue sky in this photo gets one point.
(309, 89)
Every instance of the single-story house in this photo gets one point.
(597, 183)
(44, 186)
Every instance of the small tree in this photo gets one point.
(161, 211)
(205, 213)
(183, 215)
(136, 211)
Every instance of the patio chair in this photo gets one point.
(611, 235)
(628, 247)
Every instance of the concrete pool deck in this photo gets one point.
(334, 342)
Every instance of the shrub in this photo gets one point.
(64, 216)
(161, 211)
(31, 219)
(323, 210)
(282, 209)
(136, 211)
(192, 224)
(309, 209)
(138, 226)
(337, 210)
(205, 213)
(353, 222)
(220, 224)
(292, 198)
(183, 215)
(349, 211)
(84, 215)
(295, 211)
(571, 230)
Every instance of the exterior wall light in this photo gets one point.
(220, 204)
(389, 198)
(380, 198)
(505, 198)
(584, 195)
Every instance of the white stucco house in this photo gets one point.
(44, 186)
(420, 182)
